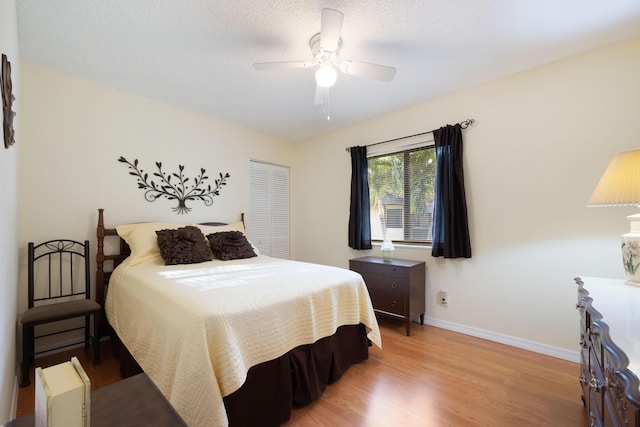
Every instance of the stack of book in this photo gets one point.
(63, 394)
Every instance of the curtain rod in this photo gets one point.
(464, 124)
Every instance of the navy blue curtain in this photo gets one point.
(450, 222)
(359, 214)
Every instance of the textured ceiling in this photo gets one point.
(198, 54)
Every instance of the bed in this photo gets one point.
(238, 341)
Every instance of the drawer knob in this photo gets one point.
(583, 380)
(594, 384)
(394, 303)
(394, 285)
(584, 342)
(611, 384)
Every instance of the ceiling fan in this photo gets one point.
(325, 48)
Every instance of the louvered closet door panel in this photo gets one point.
(280, 212)
(269, 217)
(260, 206)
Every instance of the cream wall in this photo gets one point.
(8, 222)
(540, 142)
(78, 129)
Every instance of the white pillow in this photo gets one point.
(142, 239)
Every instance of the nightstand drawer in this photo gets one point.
(388, 302)
(388, 284)
(379, 269)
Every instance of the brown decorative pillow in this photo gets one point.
(185, 245)
(228, 245)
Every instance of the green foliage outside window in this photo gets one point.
(402, 180)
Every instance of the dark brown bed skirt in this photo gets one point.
(274, 388)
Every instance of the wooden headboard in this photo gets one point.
(122, 252)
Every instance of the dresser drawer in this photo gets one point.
(595, 416)
(623, 410)
(596, 389)
(616, 377)
(584, 375)
(583, 302)
(595, 334)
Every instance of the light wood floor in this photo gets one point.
(432, 378)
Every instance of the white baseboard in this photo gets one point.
(548, 350)
(14, 400)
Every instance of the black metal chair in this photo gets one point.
(59, 289)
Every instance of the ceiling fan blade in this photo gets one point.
(281, 65)
(365, 69)
(321, 95)
(330, 29)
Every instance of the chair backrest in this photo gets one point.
(58, 270)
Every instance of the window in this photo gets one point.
(401, 194)
(269, 209)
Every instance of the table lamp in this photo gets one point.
(620, 186)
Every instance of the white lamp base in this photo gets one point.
(631, 251)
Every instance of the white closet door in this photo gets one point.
(269, 217)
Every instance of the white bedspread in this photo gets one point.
(197, 329)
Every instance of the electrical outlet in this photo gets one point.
(444, 298)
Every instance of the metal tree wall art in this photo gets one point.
(175, 186)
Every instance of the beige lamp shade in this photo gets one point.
(620, 184)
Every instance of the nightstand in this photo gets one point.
(396, 287)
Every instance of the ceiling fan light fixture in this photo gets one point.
(326, 76)
(325, 49)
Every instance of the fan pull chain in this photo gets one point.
(326, 105)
